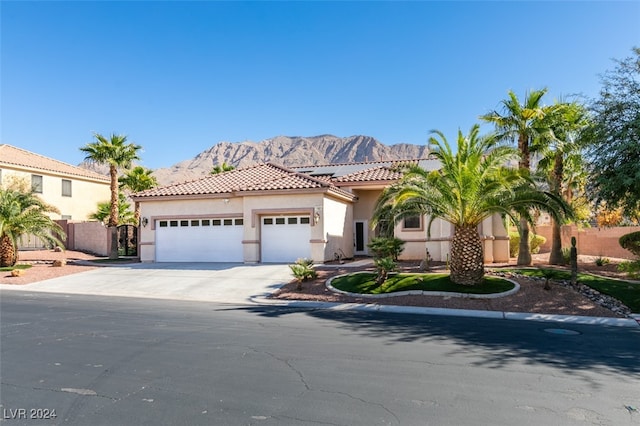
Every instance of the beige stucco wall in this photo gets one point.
(492, 232)
(92, 237)
(338, 229)
(85, 193)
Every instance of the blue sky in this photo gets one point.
(178, 77)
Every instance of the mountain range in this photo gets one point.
(289, 151)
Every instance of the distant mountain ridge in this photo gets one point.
(289, 151)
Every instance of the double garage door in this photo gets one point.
(283, 239)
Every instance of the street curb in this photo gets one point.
(521, 316)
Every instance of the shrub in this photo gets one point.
(514, 244)
(535, 241)
(386, 247)
(566, 255)
(303, 270)
(384, 265)
(631, 242)
(631, 267)
(601, 261)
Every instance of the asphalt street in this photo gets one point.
(96, 360)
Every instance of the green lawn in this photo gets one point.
(625, 291)
(364, 283)
(19, 266)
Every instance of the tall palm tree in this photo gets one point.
(472, 184)
(525, 124)
(23, 213)
(116, 153)
(136, 180)
(566, 121)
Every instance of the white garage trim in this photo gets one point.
(199, 240)
(283, 239)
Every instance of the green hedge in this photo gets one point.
(535, 241)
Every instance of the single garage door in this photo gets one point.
(199, 240)
(283, 239)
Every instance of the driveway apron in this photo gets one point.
(209, 282)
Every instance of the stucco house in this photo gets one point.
(74, 191)
(269, 213)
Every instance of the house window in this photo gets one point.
(280, 221)
(206, 222)
(163, 224)
(412, 223)
(184, 223)
(66, 188)
(66, 217)
(195, 223)
(268, 221)
(292, 220)
(173, 223)
(305, 220)
(228, 222)
(239, 221)
(36, 183)
(216, 222)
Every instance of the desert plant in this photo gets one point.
(631, 268)
(303, 270)
(631, 242)
(386, 247)
(566, 255)
(536, 242)
(514, 243)
(384, 265)
(601, 261)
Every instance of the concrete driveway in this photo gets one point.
(209, 282)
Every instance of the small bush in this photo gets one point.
(384, 265)
(535, 241)
(514, 244)
(303, 270)
(601, 261)
(631, 267)
(566, 255)
(386, 247)
(631, 242)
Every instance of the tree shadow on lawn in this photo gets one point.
(494, 342)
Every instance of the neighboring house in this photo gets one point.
(74, 191)
(268, 213)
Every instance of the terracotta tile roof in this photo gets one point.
(21, 158)
(371, 175)
(261, 177)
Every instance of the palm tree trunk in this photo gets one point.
(555, 257)
(8, 255)
(467, 259)
(113, 216)
(524, 250)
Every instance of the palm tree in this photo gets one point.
(125, 216)
(523, 123)
(224, 167)
(563, 151)
(23, 213)
(116, 153)
(136, 180)
(472, 184)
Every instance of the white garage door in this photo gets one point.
(199, 240)
(284, 239)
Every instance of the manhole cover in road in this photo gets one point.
(564, 331)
